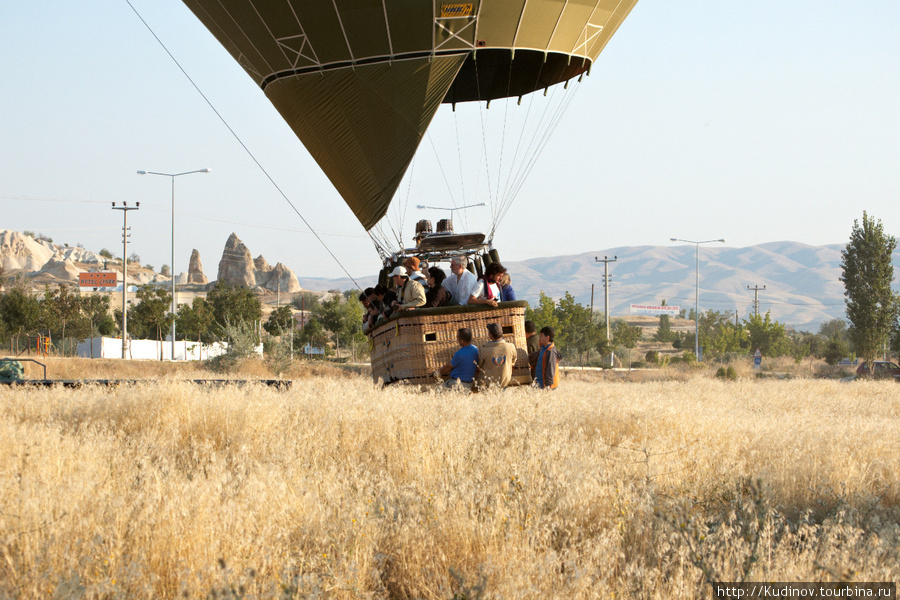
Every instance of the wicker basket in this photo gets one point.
(412, 344)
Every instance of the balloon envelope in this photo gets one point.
(360, 80)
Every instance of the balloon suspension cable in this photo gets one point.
(496, 200)
(243, 145)
(462, 179)
(484, 151)
(553, 112)
(441, 167)
(379, 246)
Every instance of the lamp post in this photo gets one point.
(697, 292)
(125, 208)
(172, 266)
(421, 206)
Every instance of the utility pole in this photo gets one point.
(756, 289)
(592, 302)
(125, 235)
(606, 260)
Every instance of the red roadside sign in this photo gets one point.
(98, 279)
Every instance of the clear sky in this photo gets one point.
(753, 121)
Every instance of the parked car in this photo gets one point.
(883, 370)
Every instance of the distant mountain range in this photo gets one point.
(802, 282)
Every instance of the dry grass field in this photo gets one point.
(338, 489)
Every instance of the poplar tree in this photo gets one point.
(867, 275)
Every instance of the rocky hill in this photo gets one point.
(42, 262)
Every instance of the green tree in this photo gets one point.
(835, 350)
(165, 271)
(280, 320)
(729, 339)
(767, 335)
(603, 346)
(576, 332)
(95, 308)
(20, 311)
(313, 334)
(305, 301)
(150, 317)
(233, 305)
(683, 340)
(835, 329)
(867, 273)
(717, 333)
(664, 332)
(106, 253)
(627, 336)
(342, 318)
(195, 322)
(544, 314)
(60, 307)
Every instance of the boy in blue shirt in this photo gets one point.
(463, 365)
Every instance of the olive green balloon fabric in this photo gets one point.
(359, 81)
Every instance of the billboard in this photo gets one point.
(94, 280)
(649, 309)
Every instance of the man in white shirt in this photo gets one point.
(461, 283)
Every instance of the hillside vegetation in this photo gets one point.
(338, 489)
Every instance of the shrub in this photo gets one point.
(727, 373)
(277, 352)
(242, 343)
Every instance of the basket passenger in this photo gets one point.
(410, 294)
(507, 293)
(461, 283)
(488, 289)
(437, 294)
(412, 265)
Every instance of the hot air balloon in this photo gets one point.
(359, 82)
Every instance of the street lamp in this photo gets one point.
(697, 292)
(172, 266)
(450, 209)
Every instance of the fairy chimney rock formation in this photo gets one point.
(195, 269)
(236, 267)
(261, 264)
(283, 280)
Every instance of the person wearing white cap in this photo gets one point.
(410, 294)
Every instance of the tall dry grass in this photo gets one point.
(337, 489)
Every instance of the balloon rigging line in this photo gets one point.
(481, 110)
(559, 110)
(244, 146)
(495, 205)
(506, 201)
(535, 145)
(462, 179)
(441, 167)
(412, 169)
